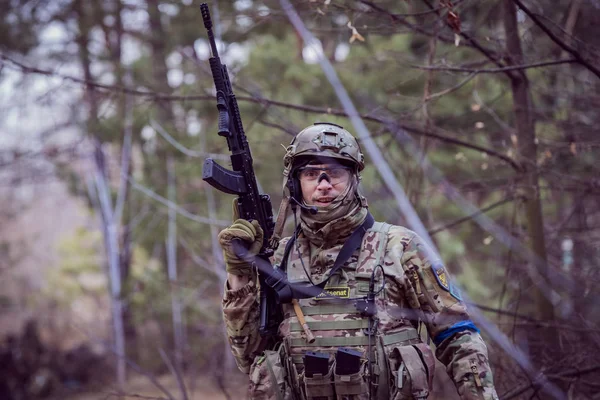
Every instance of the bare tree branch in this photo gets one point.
(502, 312)
(404, 15)
(495, 58)
(176, 372)
(180, 211)
(409, 127)
(489, 53)
(213, 269)
(537, 383)
(415, 129)
(191, 153)
(580, 59)
(471, 216)
(450, 89)
(496, 70)
(137, 368)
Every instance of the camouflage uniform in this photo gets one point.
(411, 289)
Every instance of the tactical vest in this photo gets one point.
(336, 322)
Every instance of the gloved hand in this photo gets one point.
(252, 234)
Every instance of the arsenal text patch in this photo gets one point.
(342, 292)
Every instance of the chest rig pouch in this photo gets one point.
(345, 316)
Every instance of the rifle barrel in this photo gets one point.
(208, 25)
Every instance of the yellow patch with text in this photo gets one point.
(342, 292)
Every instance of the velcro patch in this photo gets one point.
(342, 292)
(455, 292)
(440, 275)
(442, 278)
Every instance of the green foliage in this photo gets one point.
(80, 273)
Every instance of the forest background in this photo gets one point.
(484, 111)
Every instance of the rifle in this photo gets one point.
(241, 181)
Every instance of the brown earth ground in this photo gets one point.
(140, 388)
(207, 388)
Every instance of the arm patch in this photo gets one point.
(439, 271)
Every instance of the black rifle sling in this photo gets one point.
(287, 291)
(353, 243)
(288, 248)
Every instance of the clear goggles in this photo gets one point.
(334, 174)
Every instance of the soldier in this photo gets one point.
(377, 292)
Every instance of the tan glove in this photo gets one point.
(249, 232)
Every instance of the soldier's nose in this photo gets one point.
(324, 176)
(324, 184)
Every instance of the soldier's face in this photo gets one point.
(322, 183)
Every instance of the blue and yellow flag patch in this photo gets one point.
(440, 275)
(439, 271)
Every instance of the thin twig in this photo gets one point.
(419, 29)
(496, 70)
(191, 153)
(180, 211)
(471, 216)
(451, 89)
(120, 395)
(129, 362)
(175, 372)
(220, 273)
(589, 65)
(502, 312)
(412, 128)
(415, 14)
(536, 383)
(474, 43)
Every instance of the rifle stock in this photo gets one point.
(241, 180)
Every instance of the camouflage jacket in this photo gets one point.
(412, 288)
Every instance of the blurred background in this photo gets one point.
(110, 276)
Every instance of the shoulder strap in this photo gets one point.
(353, 243)
(288, 248)
(287, 291)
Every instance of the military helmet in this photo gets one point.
(324, 140)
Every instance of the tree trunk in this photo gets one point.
(166, 119)
(159, 64)
(125, 114)
(527, 154)
(103, 192)
(176, 306)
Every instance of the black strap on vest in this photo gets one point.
(287, 291)
(288, 248)
(353, 243)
